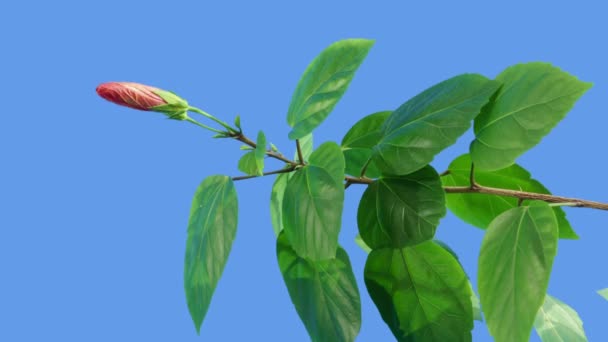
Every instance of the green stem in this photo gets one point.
(209, 116)
(204, 126)
(285, 170)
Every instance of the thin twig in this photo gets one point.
(285, 170)
(242, 138)
(480, 189)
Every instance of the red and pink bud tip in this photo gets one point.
(143, 97)
(129, 94)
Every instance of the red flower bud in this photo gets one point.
(143, 97)
(129, 94)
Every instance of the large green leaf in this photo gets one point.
(359, 141)
(211, 230)
(429, 122)
(480, 209)
(396, 211)
(422, 293)
(276, 202)
(312, 204)
(533, 99)
(260, 152)
(514, 266)
(557, 322)
(603, 293)
(324, 293)
(323, 84)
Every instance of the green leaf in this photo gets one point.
(429, 122)
(306, 144)
(359, 141)
(246, 148)
(248, 164)
(557, 322)
(323, 84)
(603, 293)
(480, 209)
(474, 299)
(422, 293)
(397, 211)
(276, 202)
(324, 293)
(312, 204)
(533, 99)
(260, 152)
(211, 230)
(237, 122)
(514, 267)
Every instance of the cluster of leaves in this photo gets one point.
(417, 283)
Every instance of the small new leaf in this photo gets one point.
(260, 153)
(248, 164)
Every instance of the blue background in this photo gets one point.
(95, 197)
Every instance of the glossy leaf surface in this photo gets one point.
(557, 322)
(429, 122)
(422, 293)
(211, 231)
(515, 262)
(534, 97)
(401, 210)
(480, 209)
(312, 204)
(324, 293)
(323, 84)
(359, 141)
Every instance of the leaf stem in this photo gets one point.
(204, 126)
(209, 116)
(300, 156)
(472, 183)
(285, 170)
(364, 168)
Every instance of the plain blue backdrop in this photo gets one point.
(94, 198)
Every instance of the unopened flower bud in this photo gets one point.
(143, 97)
